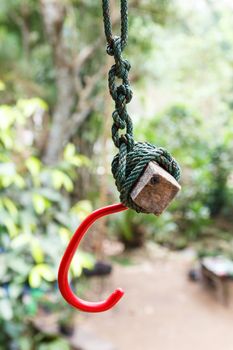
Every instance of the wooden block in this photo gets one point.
(155, 189)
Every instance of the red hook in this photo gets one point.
(63, 283)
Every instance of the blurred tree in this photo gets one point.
(63, 44)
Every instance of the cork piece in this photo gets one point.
(155, 189)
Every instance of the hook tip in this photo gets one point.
(116, 296)
(113, 299)
(119, 292)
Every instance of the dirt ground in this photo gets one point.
(162, 309)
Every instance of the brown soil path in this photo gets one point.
(162, 310)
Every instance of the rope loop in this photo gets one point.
(125, 92)
(114, 47)
(108, 25)
(118, 122)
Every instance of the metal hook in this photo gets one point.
(63, 283)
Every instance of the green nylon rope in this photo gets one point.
(133, 157)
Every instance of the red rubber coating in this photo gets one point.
(63, 283)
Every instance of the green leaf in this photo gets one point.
(19, 181)
(41, 271)
(37, 252)
(61, 179)
(57, 178)
(69, 151)
(68, 184)
(29, 106)
(81, 260)
(34, 278)
(11, 226)
(39, 203)
(46, 272)
(82, 209)
(34, 165)
(65, 234)
(73, 158)
(7, 138)
(2, 85)
(10, 206)
(6, 311)
(8, 115)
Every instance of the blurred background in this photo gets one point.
(55, 154)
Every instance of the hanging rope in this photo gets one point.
(121, 94)
(129, 164)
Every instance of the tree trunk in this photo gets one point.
(54, 12)
(62, 111)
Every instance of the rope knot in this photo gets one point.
(129, 164)
(114, 47)
(119, 123)
(126, 92)
(122, 69)
(128, 140)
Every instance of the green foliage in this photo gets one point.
(205, 177)
(36, 220)
(206, 186)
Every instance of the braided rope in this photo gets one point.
(133, 157)
(121, 94)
